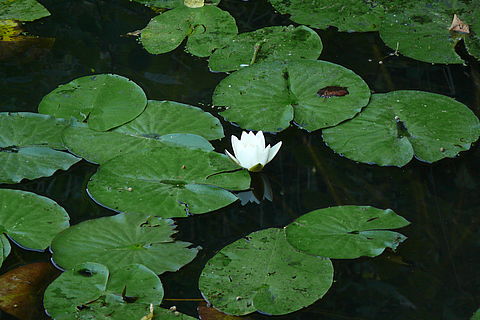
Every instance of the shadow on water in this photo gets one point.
(433, 275)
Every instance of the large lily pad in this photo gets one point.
(162, 123)
(23, 10)
(346, 15)
(4, 248)
(268, 95)
(267, 44)
(346, 232)
(29, 219)
(89, 291)
(207, 28)
(262, 272)
(121, 240)
(398, 125)
(104, 101)
(168, 182)
(27, 143)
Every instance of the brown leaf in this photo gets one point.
(458, 25)
(208, 313)
(21, 289)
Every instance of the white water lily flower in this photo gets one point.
(250, 151)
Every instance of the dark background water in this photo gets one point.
(433, 275)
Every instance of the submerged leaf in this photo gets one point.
(104, 101)
(398, 125)
(262, 272)
(346, 232)
(121, 240)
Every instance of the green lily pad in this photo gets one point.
(346, 15)
(398, 125)
(267, 44)
(4, 248)
(89, 291)
(167, 182)
(29, 219)
(104, 101)
(162, 123)
(207, 29)
(23, 10)
(27, 146)
(165, 314)
(268, 95)
(170, 4)
(262, 272)
(346, 232)
(145, 239)
(420, 30)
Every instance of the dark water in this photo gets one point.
(433, 275)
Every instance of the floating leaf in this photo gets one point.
(104, 101)
(268, 95)
(262, 272)
(23, 10)
(267, 44)
(398, 125)
(206, 312)
(165, 314)
(27, 143)
(4, 248)
(167, 182)
(346, 232)
(120, 240)
(21, 289)
(207, 28)
(346, 15)
(162, 123)
(170, 4)
(29, 219)
(89, 291)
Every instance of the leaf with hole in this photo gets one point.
(263, 273)
(207, 28)
(91, 291)
(29, 145)
(346, 232)
(168, 182)
(120, 240)
(269, 95)
(104, 101)
(398, 125)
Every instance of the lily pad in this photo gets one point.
(263, 273)
(398, 125)
(27, 146)
(23, 10)
(207, 28)
(346, 15)
(267, 44)
(144, 239)
(90, 291)
(420, 30)
(104, 101)
(346, 232)
(166, 314)
(268, 95)
(168, 182)
(170, 4)
(162, 123)
(29, 219)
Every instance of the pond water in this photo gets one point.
(432, 275)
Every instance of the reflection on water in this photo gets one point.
(434, 274)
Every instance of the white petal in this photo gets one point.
(235, 143)
(244, 136)
(273, 152)
(260, 139)
(245, 155)
(263, 155)
(232, 157)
